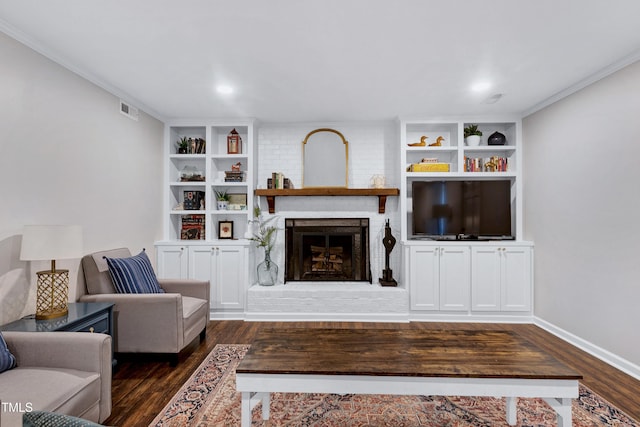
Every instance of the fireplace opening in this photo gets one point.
(327, 249)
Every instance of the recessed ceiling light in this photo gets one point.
(224, 89)
(480, 86)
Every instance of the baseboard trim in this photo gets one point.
(325, 317)
(614, 360)
(221, 315)
(470, 318)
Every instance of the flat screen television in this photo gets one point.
(447, 210)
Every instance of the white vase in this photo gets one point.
(222, 205)
(472, 140)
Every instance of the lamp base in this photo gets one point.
(53, 294)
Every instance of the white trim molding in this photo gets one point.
(614, 360)
(599, 75)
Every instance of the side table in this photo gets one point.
(82, 317)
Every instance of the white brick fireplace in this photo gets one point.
(372, 151)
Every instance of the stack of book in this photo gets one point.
(430, 165)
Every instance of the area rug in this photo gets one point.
(209, 398)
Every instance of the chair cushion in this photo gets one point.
(66, 391)
(133, 275)
(7, 360)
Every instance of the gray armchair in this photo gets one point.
(149, 323)
(63, 372)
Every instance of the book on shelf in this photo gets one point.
(233, 176)
(278, 182)
(430, 167)
(192, 227)
(486, 164)
(197, 146)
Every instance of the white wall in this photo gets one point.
(67, 156)
(582, 210)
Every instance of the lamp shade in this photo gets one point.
(51, 242)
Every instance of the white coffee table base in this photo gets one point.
(557, 393)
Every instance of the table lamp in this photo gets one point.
(51, 242)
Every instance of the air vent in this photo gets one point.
(128, 110)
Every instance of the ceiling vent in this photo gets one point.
(128, 110)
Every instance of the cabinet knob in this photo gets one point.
(91, 329)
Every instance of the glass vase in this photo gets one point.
(267, 271)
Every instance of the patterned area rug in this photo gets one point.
(209, 398)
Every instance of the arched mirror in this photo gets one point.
(325, 156)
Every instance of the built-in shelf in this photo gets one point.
(381, 193)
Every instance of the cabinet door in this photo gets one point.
(226, 270)
(516, 278)
(485, 278)
(424, 273)
(455, 278)
(230, 277)
(201, 259)
(172, 262)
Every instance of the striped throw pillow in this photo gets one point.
(133, 275)
(7, 360)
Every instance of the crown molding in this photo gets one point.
(599, 75)
(54, 56)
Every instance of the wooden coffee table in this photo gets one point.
(403, 362)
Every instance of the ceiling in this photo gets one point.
(331, 60)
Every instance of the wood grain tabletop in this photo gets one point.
(394, 352)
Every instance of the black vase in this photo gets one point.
(497, 138)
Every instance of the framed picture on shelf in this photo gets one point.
(238, 201)
(225, 229)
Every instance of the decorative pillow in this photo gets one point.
(133, 275)
(7, 360)
(51, 419)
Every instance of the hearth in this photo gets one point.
(327, 249)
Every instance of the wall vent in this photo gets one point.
(128, 110)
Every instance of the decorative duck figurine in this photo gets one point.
(438, 142)
(422, 143)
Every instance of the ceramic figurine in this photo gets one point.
(422, 143)
(438, 142)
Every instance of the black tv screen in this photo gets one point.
(462, 209)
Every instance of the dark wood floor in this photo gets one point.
(144, 384)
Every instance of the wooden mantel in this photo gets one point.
(382, 194)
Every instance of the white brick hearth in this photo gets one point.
(329, 301)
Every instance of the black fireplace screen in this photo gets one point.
(327, 249)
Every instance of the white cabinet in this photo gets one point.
(501, 278)
(469, 279)
(226, 269)
(439, 278)
(172, 261)
(224, 265)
